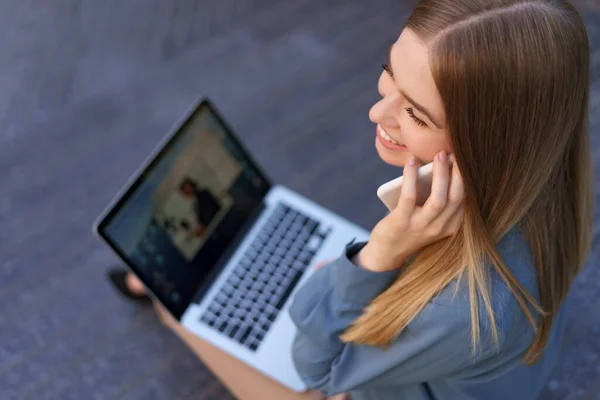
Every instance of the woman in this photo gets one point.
(462, 298)
(478, 312)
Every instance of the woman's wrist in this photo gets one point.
(375, 258)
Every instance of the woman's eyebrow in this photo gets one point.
(423, 110)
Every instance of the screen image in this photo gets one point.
(183, 212)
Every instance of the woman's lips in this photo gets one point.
(386, 143)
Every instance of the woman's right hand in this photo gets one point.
(409, 227)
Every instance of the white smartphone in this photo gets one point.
(389, 192)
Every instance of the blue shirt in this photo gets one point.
(432, 358)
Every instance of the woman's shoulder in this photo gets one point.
(510, 320)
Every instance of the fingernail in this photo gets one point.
(442, 156)
(412, 162)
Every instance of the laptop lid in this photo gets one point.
(184, 208)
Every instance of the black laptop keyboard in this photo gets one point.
(266, 275)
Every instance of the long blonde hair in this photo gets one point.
(513, 76)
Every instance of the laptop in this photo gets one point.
(218, 245)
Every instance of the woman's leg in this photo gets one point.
(134, 284)
(128, 285)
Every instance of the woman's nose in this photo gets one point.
(384, 111)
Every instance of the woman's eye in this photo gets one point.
(409, 110)
(412, 115)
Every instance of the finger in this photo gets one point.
(449, 220)
(322, 264)
(454, 221)
(446, 223)
(436, 203)
(408, 192)
(456, 193)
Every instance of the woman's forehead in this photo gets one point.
(409, 57)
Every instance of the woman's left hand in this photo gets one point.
(409, 228)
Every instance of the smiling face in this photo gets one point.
(410, 117)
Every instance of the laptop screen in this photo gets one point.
(186, 207)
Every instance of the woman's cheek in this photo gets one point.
(422, 150)
(421, 143)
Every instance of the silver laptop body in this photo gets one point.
(227, 259)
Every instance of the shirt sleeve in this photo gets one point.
(435, 344)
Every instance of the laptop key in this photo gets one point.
(311, 225)
(293, 252)
(280, 234)
(238, 313)
(223, 326)
(305, 257)
(281, 289)
(262, 298)
(245, 334)
(264, 276)
(270, 248)
(279, 274)
(245, 304)
(272, 317)
(295, 278)
(280, 251)
(314, 244)
(297, 247)
(233, 331)
(252, 255)
(246, 261)
(270, 287)
(291, 235)
(273, 300)
(303, 237)
(263, 237)
(221, 298)
(323, 231)
(286, 223)
(287, 261)
(285, 243)
(262, 319)
(268, 230)
(262, 259)
(275, 260)
(270, 267)
(287, 280)
(301, 219)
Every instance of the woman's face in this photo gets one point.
(410, 117)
